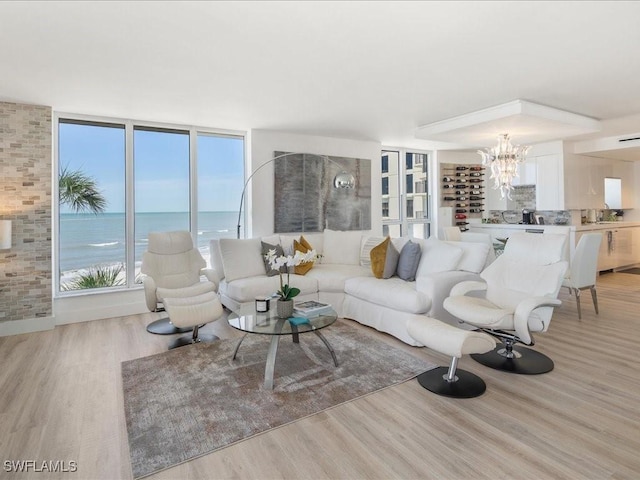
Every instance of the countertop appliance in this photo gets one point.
(528, 217)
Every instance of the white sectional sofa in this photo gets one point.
(343, 277)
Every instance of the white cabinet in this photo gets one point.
(549, 183)
(620, 247)
(546, 172)
(527, 174)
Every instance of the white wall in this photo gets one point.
(261, 194)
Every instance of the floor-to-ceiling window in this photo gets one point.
(405, 193)
(118, 181)
(91, 186)
(220, 183)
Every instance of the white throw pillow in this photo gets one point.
(241, 258)
(474, 256)
(438, 256)
(287, 243)
(366, 244)
(342, 247)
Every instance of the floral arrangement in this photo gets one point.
(286, 291)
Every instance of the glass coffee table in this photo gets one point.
(247, 320)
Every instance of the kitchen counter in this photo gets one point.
(605, 226)
(576, 228)
(620, 247)
(516, 226)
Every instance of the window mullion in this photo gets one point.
(129, 205)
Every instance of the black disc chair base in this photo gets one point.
(165, 327)
(468, 384)
(529, 362)
(188, 340)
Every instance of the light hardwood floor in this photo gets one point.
(61, 399)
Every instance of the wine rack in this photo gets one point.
(463, 189)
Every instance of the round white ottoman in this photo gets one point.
(193, 312)
(455, 342)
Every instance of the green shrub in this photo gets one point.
(97, 277)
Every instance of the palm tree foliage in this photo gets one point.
(80, 192)
(97, 277)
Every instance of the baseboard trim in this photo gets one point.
(27, 325)
(85, 308)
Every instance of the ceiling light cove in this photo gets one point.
(525, 121)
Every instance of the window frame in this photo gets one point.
(405, 223)
(129, 125)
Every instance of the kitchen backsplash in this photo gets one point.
(551, 217)
(522, 196)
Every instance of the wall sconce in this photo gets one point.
(5, 234)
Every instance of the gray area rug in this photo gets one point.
(193, 400)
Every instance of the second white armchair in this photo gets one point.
(515, 298)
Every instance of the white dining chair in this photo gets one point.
(584, 269)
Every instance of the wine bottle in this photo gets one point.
(461, 168)
(448, 199)
(461, 204)
(461, 210)
(447, 185)
(460, 192)
(461, 198)
(447, 179)
(475, 210)
(460, 174)
(475, 197)
(475, 204)
(460, 216)
(461, 180)
(476, 180)
(475, 192)
(476, 168)
(461, 185)
(476, 174)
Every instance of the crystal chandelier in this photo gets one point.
(503, 159)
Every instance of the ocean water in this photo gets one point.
(87, 239)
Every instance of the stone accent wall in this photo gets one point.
(25, 199)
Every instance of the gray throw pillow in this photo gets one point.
(279, 252)
(408, 261)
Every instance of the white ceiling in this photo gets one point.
(361, 70)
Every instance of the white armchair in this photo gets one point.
(172, 269)
(517, 296)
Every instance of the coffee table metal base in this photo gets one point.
(270, 366)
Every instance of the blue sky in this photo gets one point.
(161, 167)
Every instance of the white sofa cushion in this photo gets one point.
(342, 247)
(216, 258)
(393, 293)
(241, 258)
(438, 256)
(474, 256)
(247, 289)
(331, 278)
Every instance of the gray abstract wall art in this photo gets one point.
(306, 200)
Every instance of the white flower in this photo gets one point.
(289, 260)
